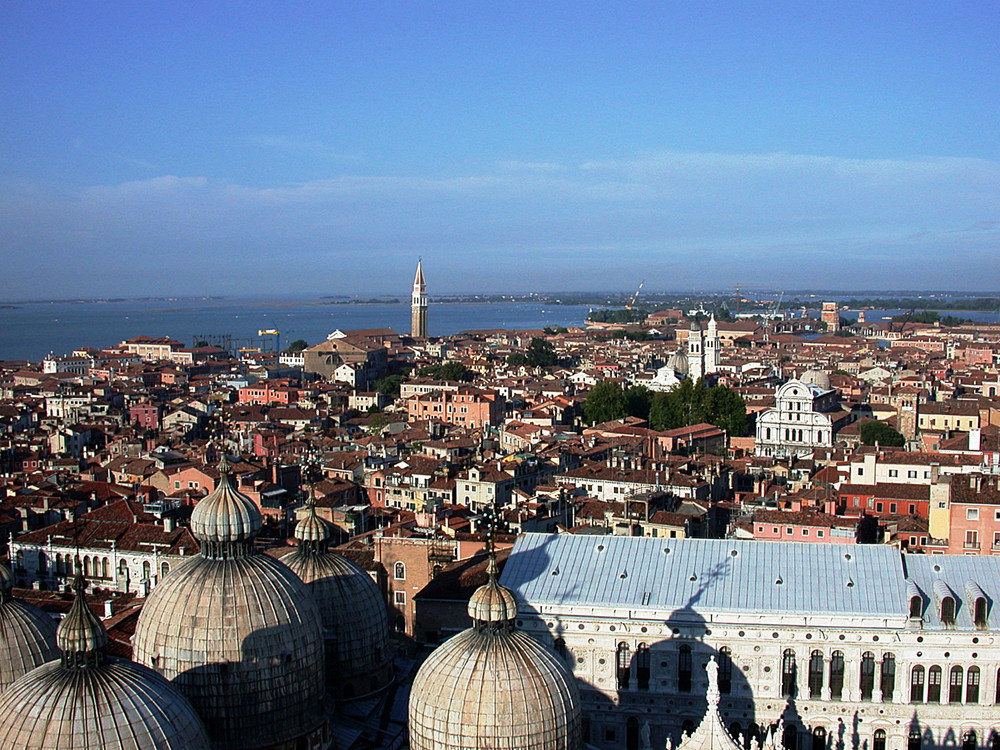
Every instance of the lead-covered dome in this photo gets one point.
(358, 657)
(494, 686)
(237, 632)
(90, 700)
(27, 635)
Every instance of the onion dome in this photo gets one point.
(90, 700)
(711, 734)
(225, 518)
(356, 625)
(237, 632)
(27, 635)
(494, 686)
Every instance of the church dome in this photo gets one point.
(494, 686)
(88, 699)
(678, 362)
(27, 635)
(818, 378)
(237, 632)
(358, 657)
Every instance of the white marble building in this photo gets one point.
(856, 649)
(805, 416)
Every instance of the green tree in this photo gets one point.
(605, 402)
(638, 401)
(447, 371)
(690, 402)
(879, 432)
(389, 385)
(541, 353)
(297, 346)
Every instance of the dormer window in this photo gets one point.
(948, 610)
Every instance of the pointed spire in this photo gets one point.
(418, 280)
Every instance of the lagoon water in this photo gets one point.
(31, 330)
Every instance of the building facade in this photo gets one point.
(860, 647)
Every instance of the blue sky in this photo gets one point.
(190, 148)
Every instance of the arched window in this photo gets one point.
(105, 568)
(867, 681)
(123, 568)
(816, 674)
(878, 740)
(725, 670)
(146, 570)
(972, 685)
(819, 738)
(934, 684)
(684, 669)
(836, 675)
(624, 663)
(888, 679)
(632, 733)
(399, 571)
(43, 563)
(955, 685)
(560, 646)
(788, 673)
(979, 610)
(916, 607)
(642, 667)
(736, 732)
(86, 567)
(790, 740)
(164, 569)
(913, 739)
(969, 740)
(948, 610)
(917, 684)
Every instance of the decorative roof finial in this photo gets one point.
(81, 636)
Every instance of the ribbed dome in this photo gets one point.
(494, 686)
(225, 516)
(492, 602)
(88, 700)
(27, 635)
(242, 639)
(354, 616)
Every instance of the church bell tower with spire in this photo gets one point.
(418, 305)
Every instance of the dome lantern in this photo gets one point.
(226, 522)
(81, 636)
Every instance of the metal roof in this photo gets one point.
(708, 575)
(956, 571)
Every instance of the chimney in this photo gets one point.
(169, 523)
(975, 439)
(109, 608)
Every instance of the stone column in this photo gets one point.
(825, 693)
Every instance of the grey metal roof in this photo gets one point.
(956, 571)
(709, 575)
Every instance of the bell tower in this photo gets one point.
(418, 305)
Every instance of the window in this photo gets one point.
(837, 675)
(146, 570)
(972, 685)
(816, 674)
(917, 684)
(725, 670)
(399, 598)
(560, 646)
(955, 685)
(623, 661)
(972, 514)
(911, 474)
(948, 610)
(819, 739)
(399, 571)
(888, 679)
(788, 673)
(819, 533)
(913, 740)
(867, 682)
(878, 740)
(684, 669)
(969, 740)
(934, 684)
(893, 472)
(642, 667)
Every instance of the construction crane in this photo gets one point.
(272, 332)
(635, 296)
